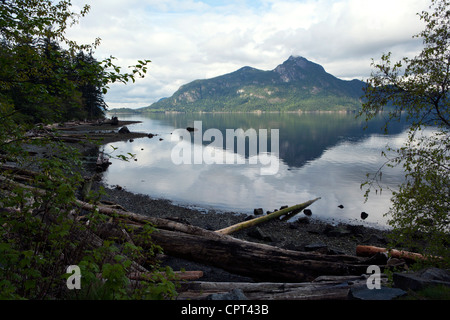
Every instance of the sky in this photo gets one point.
(199, 39)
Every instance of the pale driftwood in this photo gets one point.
(178, 275)
(273, 215)
(246, 258)
(325, 290)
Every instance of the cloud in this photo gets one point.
(188, 40)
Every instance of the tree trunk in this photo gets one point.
(237, 256)
(255, 260)
(246, 224)
(336, 289)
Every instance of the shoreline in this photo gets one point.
(305, 233)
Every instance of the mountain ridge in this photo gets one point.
(295, 85)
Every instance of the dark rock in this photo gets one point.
(380, 258)
(356, 230)
(114, 121)
(151, 135)
(322, 247)
(190, 129)
(124, 130)
(283, 207)
(293, 226)
(395, 262)
(332, 251)
(364, 215)
(337, 231)
(257, 233)
(235, 294)
(384, 293)
(303, 220)
(341, 206)
(421, 279)
(161, 139)
(374, 238)
(307, 212)
(131, 140)
(258, 212)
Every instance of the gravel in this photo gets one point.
(304, 233)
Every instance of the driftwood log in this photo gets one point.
(255, 260)
(369, 251)
(290, 212)
(322, 288)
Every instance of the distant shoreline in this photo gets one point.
(118, 111)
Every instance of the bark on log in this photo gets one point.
(255, 260)
(273, 215)
(328, 290)
(180, 275)
(368, 251)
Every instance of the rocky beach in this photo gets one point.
(305, 234)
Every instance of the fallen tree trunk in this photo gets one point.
(273, 215)
(246, 258)
(368, 251)
(255, 260)
(335, 289)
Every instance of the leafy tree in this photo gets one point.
(44, 82)
(418, 89)
(41, 232)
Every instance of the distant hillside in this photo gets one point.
(297, 84)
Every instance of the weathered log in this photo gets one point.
(179, 275)
(256, 260)
(368, 251)
(324, 290)
(273, 215)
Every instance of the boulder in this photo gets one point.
(114, 121)
(384, 293)
(124, 130)
(307, 212)
(421, 279)
(258, 212)
(336, 231)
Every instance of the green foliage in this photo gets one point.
(43, 81)
(42, 229)
(417, 88)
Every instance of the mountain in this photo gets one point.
(296, 84)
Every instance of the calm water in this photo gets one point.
(320, 155)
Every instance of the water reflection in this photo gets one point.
(321, 155)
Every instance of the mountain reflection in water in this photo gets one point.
(323, 155)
